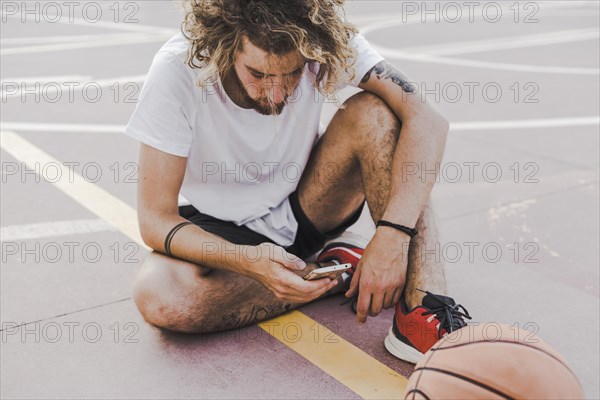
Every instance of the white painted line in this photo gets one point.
(46, 90)
(548, 8)
(56, 39)
(54, 228)
(456, 126)
(407, 54)
(567, 4)
(28, 80)
(504, 43)
(525, 124)
(97, 200)
(121, 26)
(48, 127)
(370, 23)
(401, 55)
(124, 40)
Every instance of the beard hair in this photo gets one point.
(270, 109)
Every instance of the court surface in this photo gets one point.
(517, 203)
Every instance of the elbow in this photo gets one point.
(147, 232)
(440, 129)
(438, 123)
(435, 126)
(148, 239)
(431, 121)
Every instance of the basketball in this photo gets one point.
(492, 361)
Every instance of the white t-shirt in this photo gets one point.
(241, 165)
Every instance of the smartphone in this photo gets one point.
(331, 272)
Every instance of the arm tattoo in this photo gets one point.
(386, 70)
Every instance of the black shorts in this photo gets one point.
(307, 242)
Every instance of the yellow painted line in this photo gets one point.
(337, 357)
(97, 200)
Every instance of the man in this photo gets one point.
(238, 183)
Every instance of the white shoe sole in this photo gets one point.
(401, 350)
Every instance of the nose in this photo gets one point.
(276, 89)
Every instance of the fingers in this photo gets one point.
(288, 260)
(302, 286)
(371, 303)
(300, 291)
(362, 306)
(354, 283)
(364, 296)
(321, 291)
(391, 300)
(305, 297)
(376, 303)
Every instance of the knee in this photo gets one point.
(165, 300)
(372, 117)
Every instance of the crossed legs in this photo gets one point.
(352, 162)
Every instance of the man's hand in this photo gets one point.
(381, 273)
(279, 272)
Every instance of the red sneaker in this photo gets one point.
(414, 332)
(346, 248)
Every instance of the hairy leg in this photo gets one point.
(353, 161)
(350, 163)
(425, 270)
(185, 297)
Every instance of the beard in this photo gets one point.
(269, 109)
(263, 106)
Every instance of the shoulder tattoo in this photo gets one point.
(385, 70)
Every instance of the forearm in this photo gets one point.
(194, 244)
(415, 166)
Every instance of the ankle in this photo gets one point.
(413, 299)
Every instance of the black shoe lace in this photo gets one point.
(449, 315)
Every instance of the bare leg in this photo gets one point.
(185, 297)
(425, 270)
(352, 161)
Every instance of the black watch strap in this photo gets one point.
(409, 231)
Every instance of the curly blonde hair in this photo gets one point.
(314, 28)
